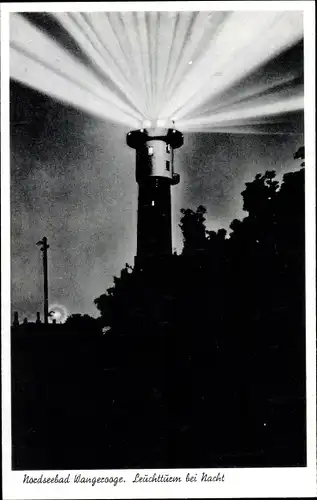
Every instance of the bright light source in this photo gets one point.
(190, 62)
(147, 124)
(59, 312)
(160, 123)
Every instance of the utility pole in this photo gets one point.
(44, 247)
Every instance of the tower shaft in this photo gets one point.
(154, 233)
(154, 175)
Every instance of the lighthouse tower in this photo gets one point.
(155, 175)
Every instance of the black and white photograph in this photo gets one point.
(159, 330)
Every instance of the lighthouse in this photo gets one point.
(155, 175)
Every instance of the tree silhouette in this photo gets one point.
(203, 363)
(225, 306)
(80, 321)
(300, 153)
(193, 228)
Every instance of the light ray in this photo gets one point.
(247, 94)
(193, 38)
(123, 42)
(104, 32)
(242, 130)
(266, 109)
(34, 74)
(263, 37)
(186, 23)
(144, 48)
(25, 37)
(183, 22)
(82, 33)
(128, 20)
(156, 59)
(202, 69)
(203, 30)
(149, 28)
(167, 41)
(62, 76)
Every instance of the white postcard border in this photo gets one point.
(238, 482)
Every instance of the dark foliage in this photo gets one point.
(196, 361)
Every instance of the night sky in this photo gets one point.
(73, 180)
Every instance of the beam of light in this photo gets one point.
(203, 28)
(161, 46)
(245, 113)
(183, 22)
(260, 126)
(184, 25)
(167, 36)
(251, 130)
(258, 104)
(39, 62)
(30, 72)
(76, 25)
(151, 28)
(195, 68)
(129, 22)
(146, 57)
(260, 37)
(246, 94)
(102, 30)
(132, 74)
(127, 50)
